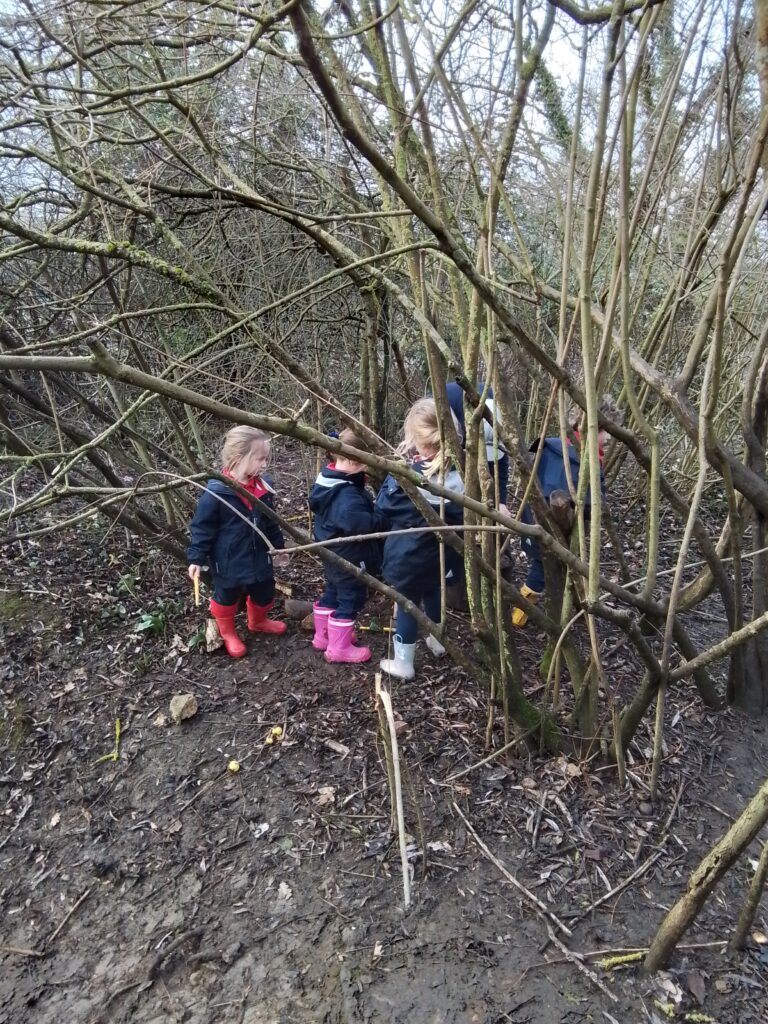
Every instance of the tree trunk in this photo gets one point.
(705, 878)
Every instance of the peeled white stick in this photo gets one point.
(386, 703)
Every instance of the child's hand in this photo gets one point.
(194, 571)
(280, 559)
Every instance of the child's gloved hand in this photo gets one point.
(193, 571)
(280, 559)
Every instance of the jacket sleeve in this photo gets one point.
(357, 516)
(380, 522)
(503, 467)
(203, 529)
(383, 507)
(269, 528)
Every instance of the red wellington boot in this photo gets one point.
(225, 620)
(258, 621)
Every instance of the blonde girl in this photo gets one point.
(412, 560)
(222, 536)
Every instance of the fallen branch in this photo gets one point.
(157, 962)
(576, 960)
(620, 887)
(82, 899)
(39, 953)
(540, 907)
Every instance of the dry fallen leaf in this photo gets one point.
(213, 639)
(325, 795)
(336, 747)
(669, 987)
(697, 986)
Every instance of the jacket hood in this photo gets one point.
(555, 445)
(327, 485)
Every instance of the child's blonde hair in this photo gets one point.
(421, 429)
(237, 444)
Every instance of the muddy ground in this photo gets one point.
(161, 887)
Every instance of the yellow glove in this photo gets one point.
(519, 617)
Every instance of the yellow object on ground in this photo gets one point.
(234, 766)
(275, 735)
(519, 617)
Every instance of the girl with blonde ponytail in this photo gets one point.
(412, 560)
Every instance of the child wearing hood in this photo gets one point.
(342, 507)
(412, 560)
(558, 468)
(228, 534)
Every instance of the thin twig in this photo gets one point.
(82, 899)
(576, 960)
(647, 863)
(541, 907)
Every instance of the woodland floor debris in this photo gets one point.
(189, 892)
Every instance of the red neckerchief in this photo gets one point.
(254, 486)
(600, 450)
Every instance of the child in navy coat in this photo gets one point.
(412, 560)
(223, 537)
(496, 454)
(556, 466)
(343, 508)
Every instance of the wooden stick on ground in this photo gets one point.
(647, 863)
(576, 960)
(386, 702)
(82, 899)
(541, 907)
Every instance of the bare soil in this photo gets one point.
(161, 887)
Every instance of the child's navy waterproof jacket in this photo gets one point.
(494, 453)
(412, 561)
(221, 539)
(342, 507)
(551, 472)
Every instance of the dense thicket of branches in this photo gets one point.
(297, 215)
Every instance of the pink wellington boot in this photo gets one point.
(258, 621)
(225, 620)
(320, 618)
(341, 645)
